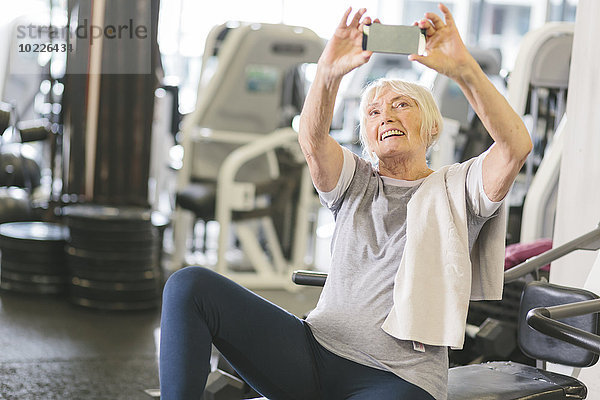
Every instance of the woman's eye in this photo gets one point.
(373, 113)
(401, 104)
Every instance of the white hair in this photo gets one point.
(431, 118)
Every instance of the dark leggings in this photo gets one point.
(273, 350)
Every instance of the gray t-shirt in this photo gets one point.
(367, 245)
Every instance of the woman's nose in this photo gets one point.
(386, 117)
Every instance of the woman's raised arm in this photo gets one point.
(447, 54)
(342, 54)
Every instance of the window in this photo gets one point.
(498, 24)
(184, 25)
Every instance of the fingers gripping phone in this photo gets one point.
(400, 39)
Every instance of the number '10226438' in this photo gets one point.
(45, 47)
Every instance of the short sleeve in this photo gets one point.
(329, 199)
(481, 204)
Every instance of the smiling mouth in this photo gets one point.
(392, 132)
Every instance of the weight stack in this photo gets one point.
(113, 257)
(33, 259)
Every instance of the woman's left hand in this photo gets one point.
(445, 51)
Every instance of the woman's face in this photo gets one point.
(393, 126)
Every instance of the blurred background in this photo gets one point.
(139, 137)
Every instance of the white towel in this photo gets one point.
(437, 275)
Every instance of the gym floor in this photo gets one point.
(52, 349)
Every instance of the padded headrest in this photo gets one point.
(552, 62)
(542, 347)
(244, 93)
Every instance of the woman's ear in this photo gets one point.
(432, 135)
(435, 130)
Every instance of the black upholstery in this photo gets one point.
(503, 380)
(279, 199)
(514, 381)
(542, 347)
(199, 198)
(506, 380)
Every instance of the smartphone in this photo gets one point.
(399, 39)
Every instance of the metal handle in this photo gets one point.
(543, 319)
(588, 241)
(309, 278)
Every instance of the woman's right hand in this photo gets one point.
(344, 50)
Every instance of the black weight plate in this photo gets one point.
(115, 286)
(108, 266)
(44, 269)
(27, 257)
(109, 256)
(33, 278)
(107, 213)
(109, 226)
(111, 275)
(114, 305)
(117, 246)
(105, 218)
(26, 246)
(33, 236)
(111, 295)
(107, 236)
(34, 231)
(32, 288)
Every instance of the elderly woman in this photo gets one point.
(410, 248)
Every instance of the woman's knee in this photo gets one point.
(189, 282)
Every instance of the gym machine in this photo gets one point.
(242, 165)
(573, 329)
(555, 324)
(537, 90)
